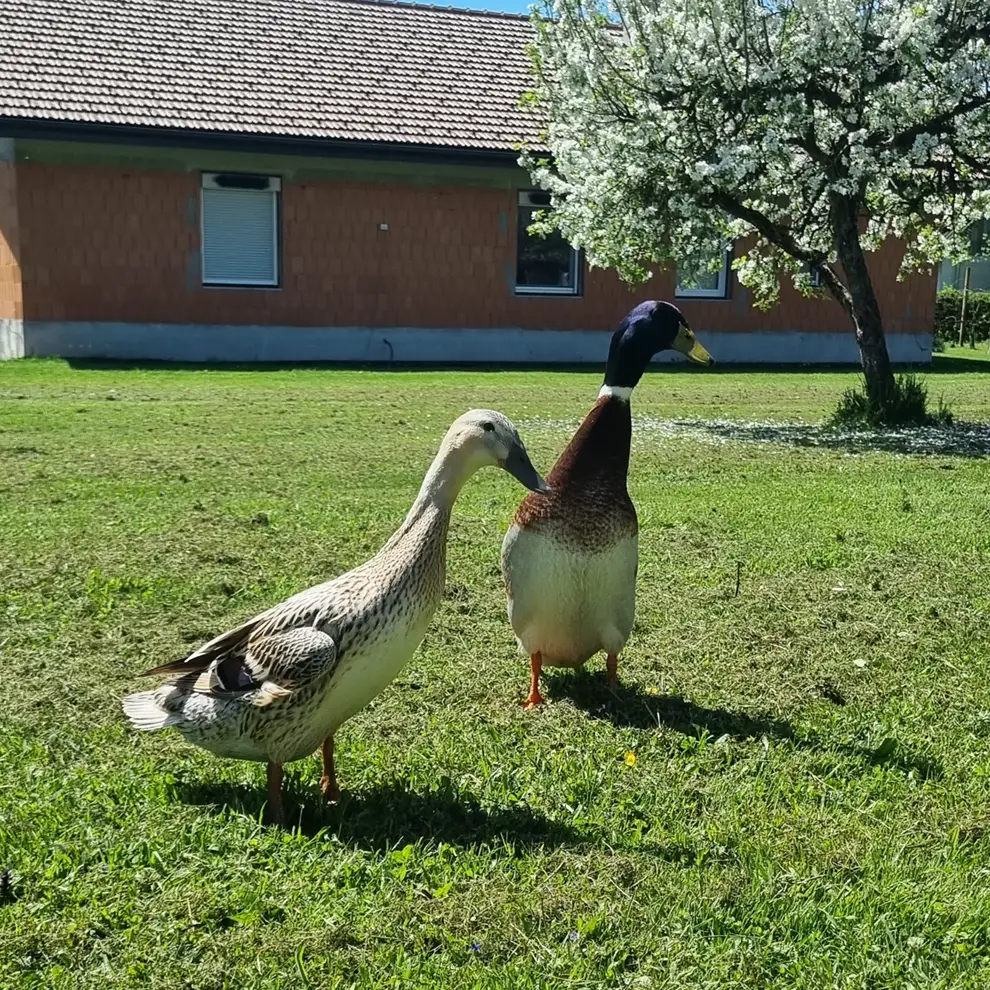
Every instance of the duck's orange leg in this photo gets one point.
(328, 782)
(612, 669)
(275, 811)
(535, 666)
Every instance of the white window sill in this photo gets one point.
(241, 285)
(545, 290)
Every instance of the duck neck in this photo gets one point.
(625, 366)
(440, 488)
(621, 393)
(599, 451)
(444, 479)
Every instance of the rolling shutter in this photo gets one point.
(240, 230)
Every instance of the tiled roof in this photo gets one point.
(340, 69)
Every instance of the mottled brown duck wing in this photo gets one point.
(212, 652)
(270, 666)
(308, 608)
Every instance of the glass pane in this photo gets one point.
(702, 280)
(542, 262)
(947, 275)
(979, 276)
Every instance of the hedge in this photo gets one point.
(947, 306)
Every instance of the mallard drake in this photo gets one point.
(279, 686)
(569, 559)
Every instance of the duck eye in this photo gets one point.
(488, 427)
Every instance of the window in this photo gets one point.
(979, 239)
(815, 277)
(240, 229)
(544, 265)
(954, 276)
(705, 284)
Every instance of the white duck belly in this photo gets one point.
(365, 673)
(569, 604)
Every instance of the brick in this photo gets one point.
(10, 244)
(132, 239)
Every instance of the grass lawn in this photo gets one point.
(953, 352)
(792, 788)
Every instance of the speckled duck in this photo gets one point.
(278, 687)
(570, 557)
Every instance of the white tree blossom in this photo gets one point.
(678, 125)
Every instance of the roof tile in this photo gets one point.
(337, 69)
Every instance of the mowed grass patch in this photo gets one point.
(790, 789)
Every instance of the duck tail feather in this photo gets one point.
(146, 713)
(183, 666)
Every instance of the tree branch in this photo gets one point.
(774, 232)
(941, 123)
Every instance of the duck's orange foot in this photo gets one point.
(535, 668)
(612, 669)
(328, 782)
(276, 813)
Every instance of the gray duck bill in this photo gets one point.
(521, 468)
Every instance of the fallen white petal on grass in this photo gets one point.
(959, 440)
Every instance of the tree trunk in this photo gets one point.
(865, 313)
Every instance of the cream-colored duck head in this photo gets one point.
(485, 438)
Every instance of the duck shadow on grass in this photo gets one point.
(389, 815)
(629, 706)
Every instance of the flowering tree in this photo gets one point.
(819, 128)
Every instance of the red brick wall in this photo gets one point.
(10, 272)
(104, 243)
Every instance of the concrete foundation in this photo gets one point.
(210, 344)
(11, 339)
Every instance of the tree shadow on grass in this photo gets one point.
(631, 707)
(665, 364)
(942, 365)
(677, 365)
(966, 440)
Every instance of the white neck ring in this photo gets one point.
(620, 392)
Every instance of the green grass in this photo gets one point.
(809, 804)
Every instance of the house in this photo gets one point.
(952, 276)
(209, 180)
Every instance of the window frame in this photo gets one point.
(576, 289)
(248, 181)
(721, 291)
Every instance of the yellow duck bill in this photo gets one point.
(691, 348)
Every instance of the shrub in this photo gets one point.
(948, 304)
(908, 406)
